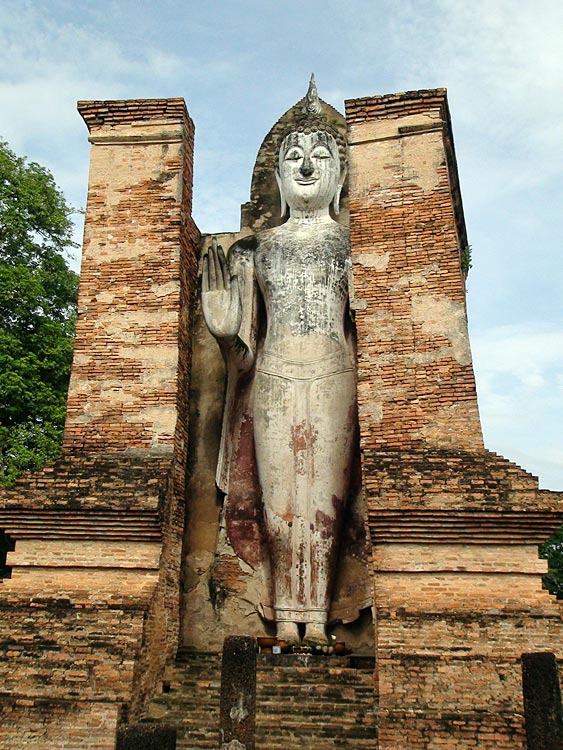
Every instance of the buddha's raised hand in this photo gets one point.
(220, 297)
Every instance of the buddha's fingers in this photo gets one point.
(224, 268)
(205, 274)
(215, 278)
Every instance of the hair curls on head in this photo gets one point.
(312, 120)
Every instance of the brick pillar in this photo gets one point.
(542, 701)
(128, 386)
(416, 384)
(455, 529)
(237, 723)
(98, 534)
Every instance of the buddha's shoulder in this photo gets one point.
(266, 235)
(243, 249)
(295, 231)
(342, 229)
(341, 232)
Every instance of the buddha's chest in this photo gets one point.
(307, 269)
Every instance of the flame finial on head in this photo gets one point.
(313, 103)
(310, 118)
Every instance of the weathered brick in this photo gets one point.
(91, 611)
(455, 528)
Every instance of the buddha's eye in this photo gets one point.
(321, 153)
(293, 155)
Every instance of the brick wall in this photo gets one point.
(91, 612)
(416, 384)
(458, 594)
(58, 724)
(129, 375)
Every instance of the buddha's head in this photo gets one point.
(310, 171)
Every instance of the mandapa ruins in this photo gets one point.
(135, 585)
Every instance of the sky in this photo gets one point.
(240, 64)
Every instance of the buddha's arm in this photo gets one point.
(228, 301)
(237, 353)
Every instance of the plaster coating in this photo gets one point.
(90, 614)
(291, 280)
(441, 316)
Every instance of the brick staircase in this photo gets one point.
(191, 702)
(301, 702)
(315, 702)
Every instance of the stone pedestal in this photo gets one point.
(237, 724)
(542, 701)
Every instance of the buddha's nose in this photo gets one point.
(306, 167)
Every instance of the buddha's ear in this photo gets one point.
(341, 181)
(283, 202)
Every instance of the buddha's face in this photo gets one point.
(309, 169)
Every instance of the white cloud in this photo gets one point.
(519, 373)
(501, 62)
(240, 65)
(519, 350)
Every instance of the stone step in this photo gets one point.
(302, 702)
(315, 706)
(191, 702)
(190, 741)
(301, 731)
(310, 686)
(281, 709)
(321, 702)
(326, 744)
(288, 676)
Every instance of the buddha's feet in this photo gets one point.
(315, 634)
(287, 631)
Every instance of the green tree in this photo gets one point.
(38, 294)
(552, 551)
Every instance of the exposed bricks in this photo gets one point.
(462, 732)
(91, 611)
(416, 385)
(301, 701)
(57, 724)
(88, 613)
(132, 352)
(451, 622)
(393, 105)
(317, 702)
(456, 495)
(101, 480)
(458, 593)
(99, 113)
(191, 700)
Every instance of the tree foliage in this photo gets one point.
(552, 551)
(38, 294)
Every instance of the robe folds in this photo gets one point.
(237, 474)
